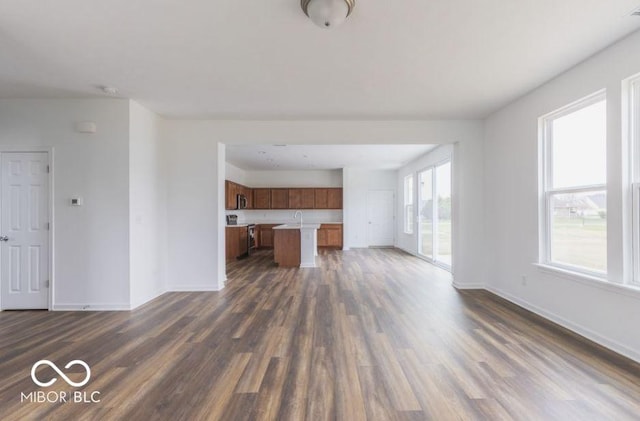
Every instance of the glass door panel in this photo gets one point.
(425, 216)
(443, 214)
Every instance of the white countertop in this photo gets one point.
(290, 222)
(297, 226)
(238, 226)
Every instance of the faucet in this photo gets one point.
(295, 215)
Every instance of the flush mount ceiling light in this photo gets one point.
(327, 13)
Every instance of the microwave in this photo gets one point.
(241, 201)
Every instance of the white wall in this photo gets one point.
(607, 315)
(356, 184)
(147, 205)
(235, 174)
(195, 207)
(315, 178)
(91, 262)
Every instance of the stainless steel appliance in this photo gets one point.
(251, 237)
(232, 219)
(241, 201)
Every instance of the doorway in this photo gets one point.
(24, 231)
(381, 217)
(434, 214)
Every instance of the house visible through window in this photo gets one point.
(408, 204)
(574, 219)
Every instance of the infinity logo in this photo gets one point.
(57, 370)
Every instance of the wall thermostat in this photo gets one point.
(77, 201)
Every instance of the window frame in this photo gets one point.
(546, 192)
(408, 205)
(634, 136)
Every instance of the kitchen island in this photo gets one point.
(295, 245)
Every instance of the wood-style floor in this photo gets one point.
(372, 334)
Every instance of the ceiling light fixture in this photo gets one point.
(109, 90)
(327, 13)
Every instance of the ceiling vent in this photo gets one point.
(636, 12)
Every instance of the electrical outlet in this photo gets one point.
(524, 280)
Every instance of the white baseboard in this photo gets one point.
(193, 288)
(458, 285)
(574, 327)
(91, 307)
(148, 298)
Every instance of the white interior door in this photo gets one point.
(24, 231)
(381, 217)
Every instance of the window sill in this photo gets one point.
(593, 281)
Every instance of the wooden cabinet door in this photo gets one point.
(321, 198)
(330, 235)
(230, 194)
(266, 235)
(248, 194)
(308, 198)
(301, 198)
(279, 198)
(334, 198)
(231, 243)
(334, 237)
(295, 198)
(261, 198)
(322, 237)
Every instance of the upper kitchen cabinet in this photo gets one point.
(231, 193)
(301, 198)
(261, 198)
(280, 199)
(232, 190)
(329, 198)
(334, 198)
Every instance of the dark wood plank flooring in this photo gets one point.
(371, 334)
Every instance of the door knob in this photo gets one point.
(4, 238)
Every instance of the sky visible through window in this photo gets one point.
(580, 147)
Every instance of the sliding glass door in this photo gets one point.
(425, 217)
(434, 228)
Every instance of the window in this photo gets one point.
(408, 204)
(574, 190)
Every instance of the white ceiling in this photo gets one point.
(266, 60)
(323, 157)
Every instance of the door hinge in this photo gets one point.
(47, 226)
(47, 169)
(46, 283)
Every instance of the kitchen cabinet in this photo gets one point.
(283, 198)
(286, 247)
(265, 235)
(330, 235)
(261, 198)
(334, 198)
(301, 198)
(248, 193)
(230, 194)
(236, 242)
(280, 199)
(328, 198)
(232, 190)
